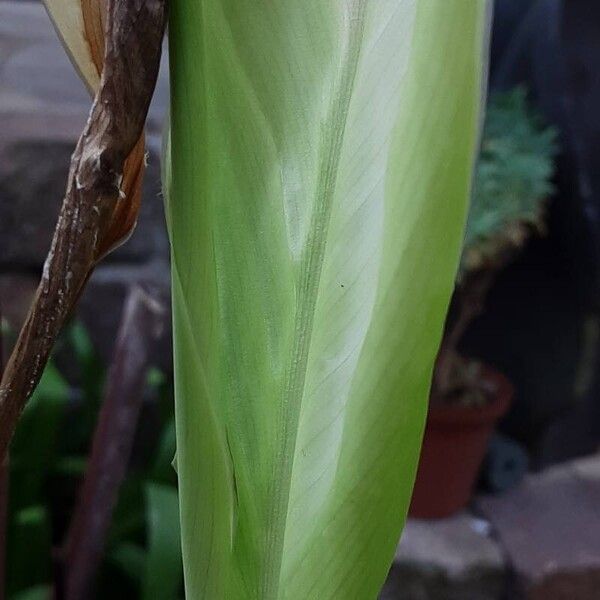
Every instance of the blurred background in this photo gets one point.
(507, 499)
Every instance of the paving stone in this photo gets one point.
(550, 529)
(33, 65)
(32, 183)
(448, 559)
(573, 585)
(33, 174)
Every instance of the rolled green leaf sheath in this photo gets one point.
(320, 164)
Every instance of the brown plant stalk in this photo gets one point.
(96, 212)
(144, 318)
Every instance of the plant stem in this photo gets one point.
(142, 322)
(469, 299)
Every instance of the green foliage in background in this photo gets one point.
(513, 178)
(47, 461)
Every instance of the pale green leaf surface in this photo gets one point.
(321, 156)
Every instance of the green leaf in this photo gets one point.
(163, 574)
(71, 466)
(130, 559)
(155, 378)
(34, 448)
(162, 469)
(321, 158)
(29, 549)
(91, 369)
(129, 516)
(40, 592)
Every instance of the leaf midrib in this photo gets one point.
(333, 130)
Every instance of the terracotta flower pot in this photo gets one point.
(454, 446)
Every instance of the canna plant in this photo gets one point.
(317, 180)
(316, 174)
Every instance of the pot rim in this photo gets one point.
(456, 415)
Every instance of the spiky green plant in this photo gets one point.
(318, 172)
(512, 182)
(320, 164)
